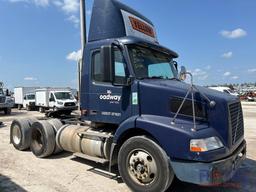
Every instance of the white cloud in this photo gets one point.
(236, 33)
(16, 1)
(68, 6)
(208, 67)
(74, 19)
(30, 78)
(42, 3)
(227, 74)
(75, 55)
(227, 55)
(200, 74)
(234, 77)
(252, 70)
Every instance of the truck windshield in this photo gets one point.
(63, 95)
(30, 97)
(149, 63)
(1, 92)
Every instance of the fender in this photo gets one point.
(124, 126)
(172, 138)
(161, 129)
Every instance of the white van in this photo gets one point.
(56, 99)
(25, 97)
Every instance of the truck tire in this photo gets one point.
(56, 124)
(144, 166)
(41, 109)
(20, 133)
(19, 106)
(7, 111)
(42, 139)
(28, 108)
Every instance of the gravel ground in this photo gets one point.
(22, 171)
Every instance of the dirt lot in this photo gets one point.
(21, 171)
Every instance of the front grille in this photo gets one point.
(2, 99)
(236, 121)
(70, 104)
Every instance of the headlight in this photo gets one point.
(59, 103)
(208, 144)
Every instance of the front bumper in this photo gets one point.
(212, 173)
(67, 108)
(6, 105)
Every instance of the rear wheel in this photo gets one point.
(20, 133)
(7, 111)
(19, 106)
(41, 109)
(144, 166)
(28, 108)
(42, 139)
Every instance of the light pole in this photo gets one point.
(83, 44)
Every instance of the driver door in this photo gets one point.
(52, 100)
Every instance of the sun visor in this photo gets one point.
(112, 19)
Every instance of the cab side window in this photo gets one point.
(119, 71)
(98, 67)
(52, 98)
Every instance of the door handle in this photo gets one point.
(93, 112)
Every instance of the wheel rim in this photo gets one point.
(142, 167)
(37, 138)
(16, 134)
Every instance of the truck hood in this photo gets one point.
(156, 95)
(179, 88)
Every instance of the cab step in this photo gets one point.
(95, 159)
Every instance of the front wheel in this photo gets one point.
(28, 108)
(144, 166)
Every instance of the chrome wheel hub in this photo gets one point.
(142, 167)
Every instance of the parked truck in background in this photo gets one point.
(25, 97)
(56, 99)
(225, 90)
(142, 116)
(6, 101)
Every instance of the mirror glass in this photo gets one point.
(183, 73)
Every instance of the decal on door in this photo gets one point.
(110, 97)
(135, 98)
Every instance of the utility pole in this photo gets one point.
(83, 44)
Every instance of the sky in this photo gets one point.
(215, 39)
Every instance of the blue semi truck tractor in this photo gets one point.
(137, 113)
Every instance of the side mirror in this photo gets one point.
(107, 55)
(175, 64)
(183, 73)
